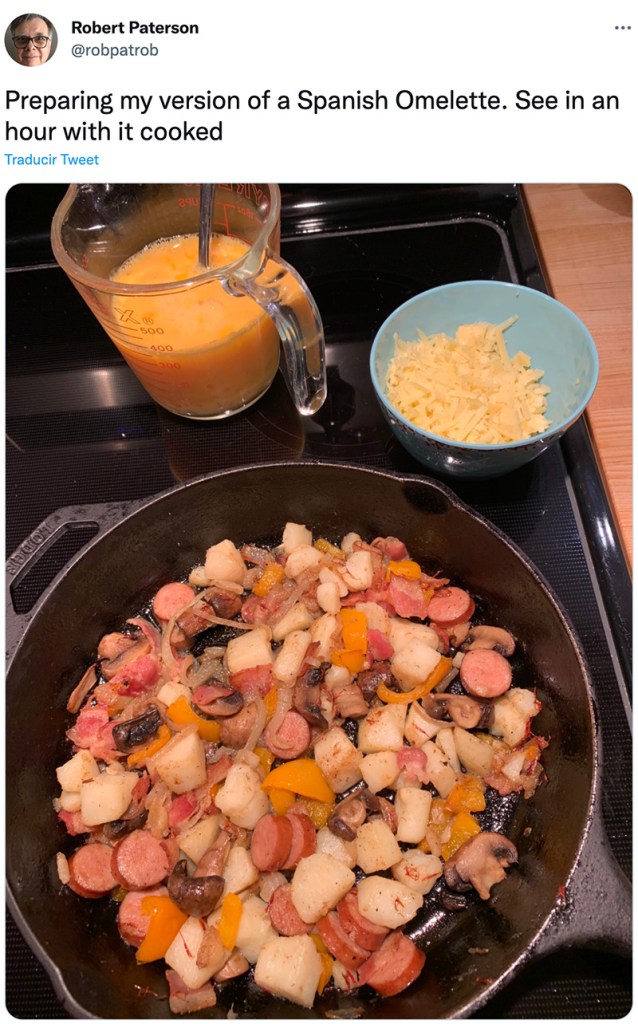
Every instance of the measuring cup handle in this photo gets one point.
(285, 296)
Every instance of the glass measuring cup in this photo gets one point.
(204, 344)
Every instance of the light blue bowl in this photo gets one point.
(555, 339)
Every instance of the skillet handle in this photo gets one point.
(63, 536)
(597, 909)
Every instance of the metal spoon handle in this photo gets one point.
(206, 200)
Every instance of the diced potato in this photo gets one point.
(401, 632)
(239, 872)
(441, 774)
(380, 770)
(387, 902)
(474, 754)
(290, 656)
(319, 882)
(323, 632)
(181, 764)
(106, 797)
(294, 535)
(241, 797)
(198, 839)
(290, 967)
(302, 558)
(198, 576)
(327, 575)
(512, 713)
(297, 617)
(224, 562)
(376, 616)
(412, 664)
(418, 870)
(170, 692)
(255, 928)
(340, 849)
(80, 768)
(348, 542)
(377, 848)
(382, 729)
(336, 677)
(338, 758)
(445, 740)
(181, 955)
(358, 571)
(249, 650)
(70, 801)
(328, 597)
(419, 727)
(412, 808)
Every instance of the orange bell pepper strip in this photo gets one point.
(272, 575)
(318, 811)
(266, 758)
(281, 800)
(467, 795)
(163, 736)
(181, 713)
(352, 660)
(270, 701)
(166, 919)
(327, 548)
(406, 568)
(228, 926)
(440, 670)
(302, 776)
(354, 629)
(464, 827)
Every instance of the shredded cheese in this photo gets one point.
(468, 388)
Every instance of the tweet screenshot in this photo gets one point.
(318, 509)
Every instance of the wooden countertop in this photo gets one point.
(584, 235)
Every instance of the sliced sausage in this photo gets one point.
(91, 872)
(140, 861)
(337, 941)
(283, 914)
(271, 842)
(288, 739)
(170, 599)
(485, 673)
(303, 840)
(394, 966)
(365, 933)
(236, 729)
(450, 605)
(132, 923)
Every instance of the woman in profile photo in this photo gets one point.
(32, 38)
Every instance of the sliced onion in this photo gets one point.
(258, 727)
(447, 679)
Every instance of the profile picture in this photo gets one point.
(31, 40)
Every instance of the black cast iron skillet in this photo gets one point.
(567, 889)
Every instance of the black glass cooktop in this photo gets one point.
(80, 429)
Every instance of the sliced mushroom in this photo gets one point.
(114, 830)
(224, 702)
(127, 735)
(370, 679)
(347, 817)
(480, 862)
(307, 696)
(130, 653)
(491, 638)
(196, 895)
(460, 709)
